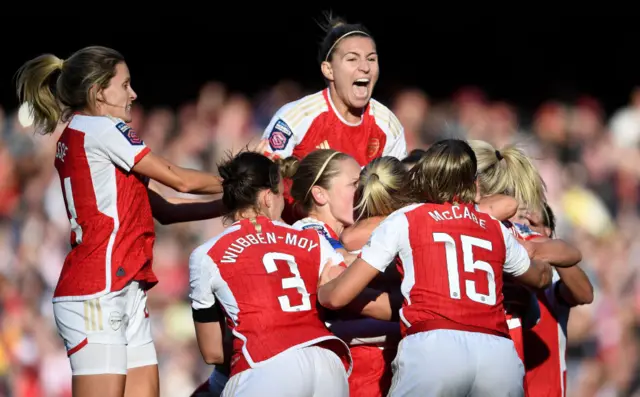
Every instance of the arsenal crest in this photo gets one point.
(372, 147)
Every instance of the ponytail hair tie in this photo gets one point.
(499, 155)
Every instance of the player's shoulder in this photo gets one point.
(385, 118)
(293, 114)
(312, 224)
(203, 250)
(402, 213)
(98, 126)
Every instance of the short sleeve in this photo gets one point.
(122, 145)
(327, 253)
(517, 260)
(204, 275)
(397, 147)
(279, 135)
(385, 241)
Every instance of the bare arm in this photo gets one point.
(209, 337)
(174, 210)
(356, 236)
(342, 290)
(537, 276)
(499, 206)
(575, 288)
(181, 179)
(557, 252)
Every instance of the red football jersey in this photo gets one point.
(310, 123)
(112, 228)
(265, 275)
(453, 258)
(545, 346)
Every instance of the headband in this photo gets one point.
(326, 162)
(326, 58)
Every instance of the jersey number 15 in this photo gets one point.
(470, 265)
(295, 282)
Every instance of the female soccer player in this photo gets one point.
(343, 116)
(104, 168)
(264, 273)
(452, 317)
(509, 171)
(324, 184)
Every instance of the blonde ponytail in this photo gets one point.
(383, 188)
(33, 83)
(509, 171)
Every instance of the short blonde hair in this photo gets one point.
(509, 171)
(383, 187)
(446, 173)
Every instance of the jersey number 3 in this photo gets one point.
(295, 282)
(470, 266)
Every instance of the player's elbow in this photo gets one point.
(585, 295)
(213, 357)
(330, 299)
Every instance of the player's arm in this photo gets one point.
(183, 180)
(574, 287)
(209, 334)
(207, 319)
(397, 147)
(499, 206)
(280, 137)
(530, 272)
(374, 259)
(356, 236)
(123, 147)
(174, 210)
(557, 252)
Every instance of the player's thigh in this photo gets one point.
(434, 363)
(294, 373)
(500, 370)
(328, 370)
(95, 344)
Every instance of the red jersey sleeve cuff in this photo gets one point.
(140, 155)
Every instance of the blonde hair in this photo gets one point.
(509, 171)
(74, 79)
(318, 168)
(446, 173)
(383, 188)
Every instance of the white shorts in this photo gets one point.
(456, 363)
(308, 372)
(107, 335)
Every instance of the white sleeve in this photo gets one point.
(122, 145)
(280, 136)
(398, 147)
(385, 241)
(517, 260)
(204, 275)
(327, 253)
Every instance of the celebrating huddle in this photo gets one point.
(346, 267)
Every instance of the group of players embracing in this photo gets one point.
(346, 267)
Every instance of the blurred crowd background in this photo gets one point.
(589, 159)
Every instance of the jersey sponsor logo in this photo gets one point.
(280, 135)
(372, 147)
(129, 133)
(318, 228)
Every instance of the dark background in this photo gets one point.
(524, 53)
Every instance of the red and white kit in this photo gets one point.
(265, 275)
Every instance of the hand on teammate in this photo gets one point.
(329, 272)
